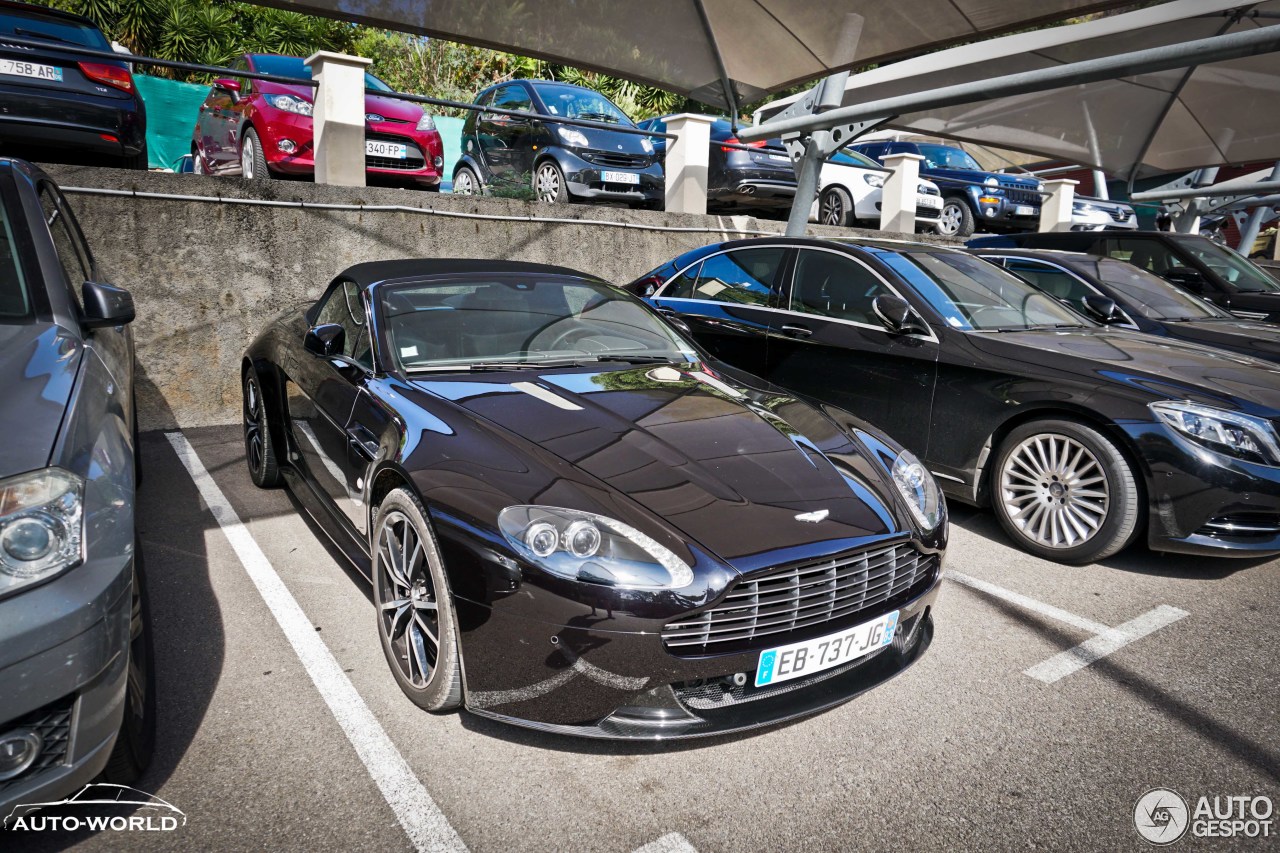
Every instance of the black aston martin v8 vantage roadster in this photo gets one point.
(574, 520)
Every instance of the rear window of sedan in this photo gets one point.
(34, 25)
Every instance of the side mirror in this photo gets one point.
(325, 340)
(231, 84)
(1101, 308)
(897, 315)
(106, 305)
(645, 287)
(1192, 280)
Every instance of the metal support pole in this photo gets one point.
(807, 175)
(1188, 222)
(1100, 185)
(1249, 233)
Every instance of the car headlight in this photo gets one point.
(874, 180)
(991, 182)
(291, 104)
(1082, 207)
(646, 144)
(920, 490)
(1232, 433)
(1040, 187)
(591, 548)
(427, 122)
(41, 526)
(924, 189)
(572, 137)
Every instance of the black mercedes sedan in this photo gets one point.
(1081, 437)
(77, 697)
(85, 108)
(1115, 292)
(575, 521)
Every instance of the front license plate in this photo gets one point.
(620, 178)
(394, 150)
(1024, 210)
(800, 659)
(928, 201)
(19, 68)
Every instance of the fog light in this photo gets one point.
(19, 749)
(437, 162)
(287, 146)
(990, 211)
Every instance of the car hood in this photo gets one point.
(1148, 365)
(1255, 338)
(970, 176)
(599, 139)
(385, 107)
(730, 467)
(1263, 302)
(38, 365)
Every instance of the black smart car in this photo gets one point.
(84, 109)
(1080, 436)
(1115, 292)
(1194, 263)
(561, 162)
(760, 179)
(564, 505)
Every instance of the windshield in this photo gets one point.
(522, 320)
(853, 158)
(1148, 294)
(292, 66)
(572, 102)
(34, 25)
(973, 295)
(1230, 266)
(946, 157)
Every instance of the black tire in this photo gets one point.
(956, 218)
(253, 162)
(549, 183)
(468, 177)
(432, 684)
(1064, 491)
(138, 162)
(835, 207)
(259, 449)
(136, 741)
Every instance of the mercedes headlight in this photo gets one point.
(570, 136)
(41, 526)
(427, 122)
(874, 180)
(919, 489)
(591, 548)
(1232, 433)
(291, 104)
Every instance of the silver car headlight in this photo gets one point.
(874, 180)
(572, 137)
(41, 526)
(291, 104)
(646, 144)
(1231, 433)
(919, 489)
(591, 548)
(427, 122)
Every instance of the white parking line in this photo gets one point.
(672, 842)
(427, 827)
(1105, 640)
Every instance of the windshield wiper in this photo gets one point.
(638, 359)
(482, 366)
(23, 31)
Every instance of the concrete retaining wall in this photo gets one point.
(206, 275)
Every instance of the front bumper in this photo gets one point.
(584, 682)
(1205, 503)
(63, 667)
(1098, 220)
(586, 180)
(420, 167)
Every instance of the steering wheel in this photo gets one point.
(570, 336)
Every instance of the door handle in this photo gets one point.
(363, 440)
(797, 331)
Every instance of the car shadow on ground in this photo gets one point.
(186, 622)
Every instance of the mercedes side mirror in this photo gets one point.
(106, 305)
(1192, 280)
(1101, 308)
(897, 315)
(325, 340)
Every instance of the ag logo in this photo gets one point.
(1161, 816)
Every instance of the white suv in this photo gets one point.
(849, 193)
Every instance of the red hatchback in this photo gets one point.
(260, 130)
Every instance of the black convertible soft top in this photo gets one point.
(372, 272)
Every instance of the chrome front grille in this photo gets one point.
(767, 608)
(1020, 193)
(1119, 214)
(618, 160)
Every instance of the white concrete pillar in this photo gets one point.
(339, 118)
(1055, 210)
(898, 196)
(686, 163)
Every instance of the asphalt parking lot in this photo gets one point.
(1051, 700)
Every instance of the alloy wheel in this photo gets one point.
(951, 220)
(407, 607)
(462, 184)
(138, 677)
(548, 183)
(254, 423)
(831, 210)
(246, 158)
(1054, 490)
